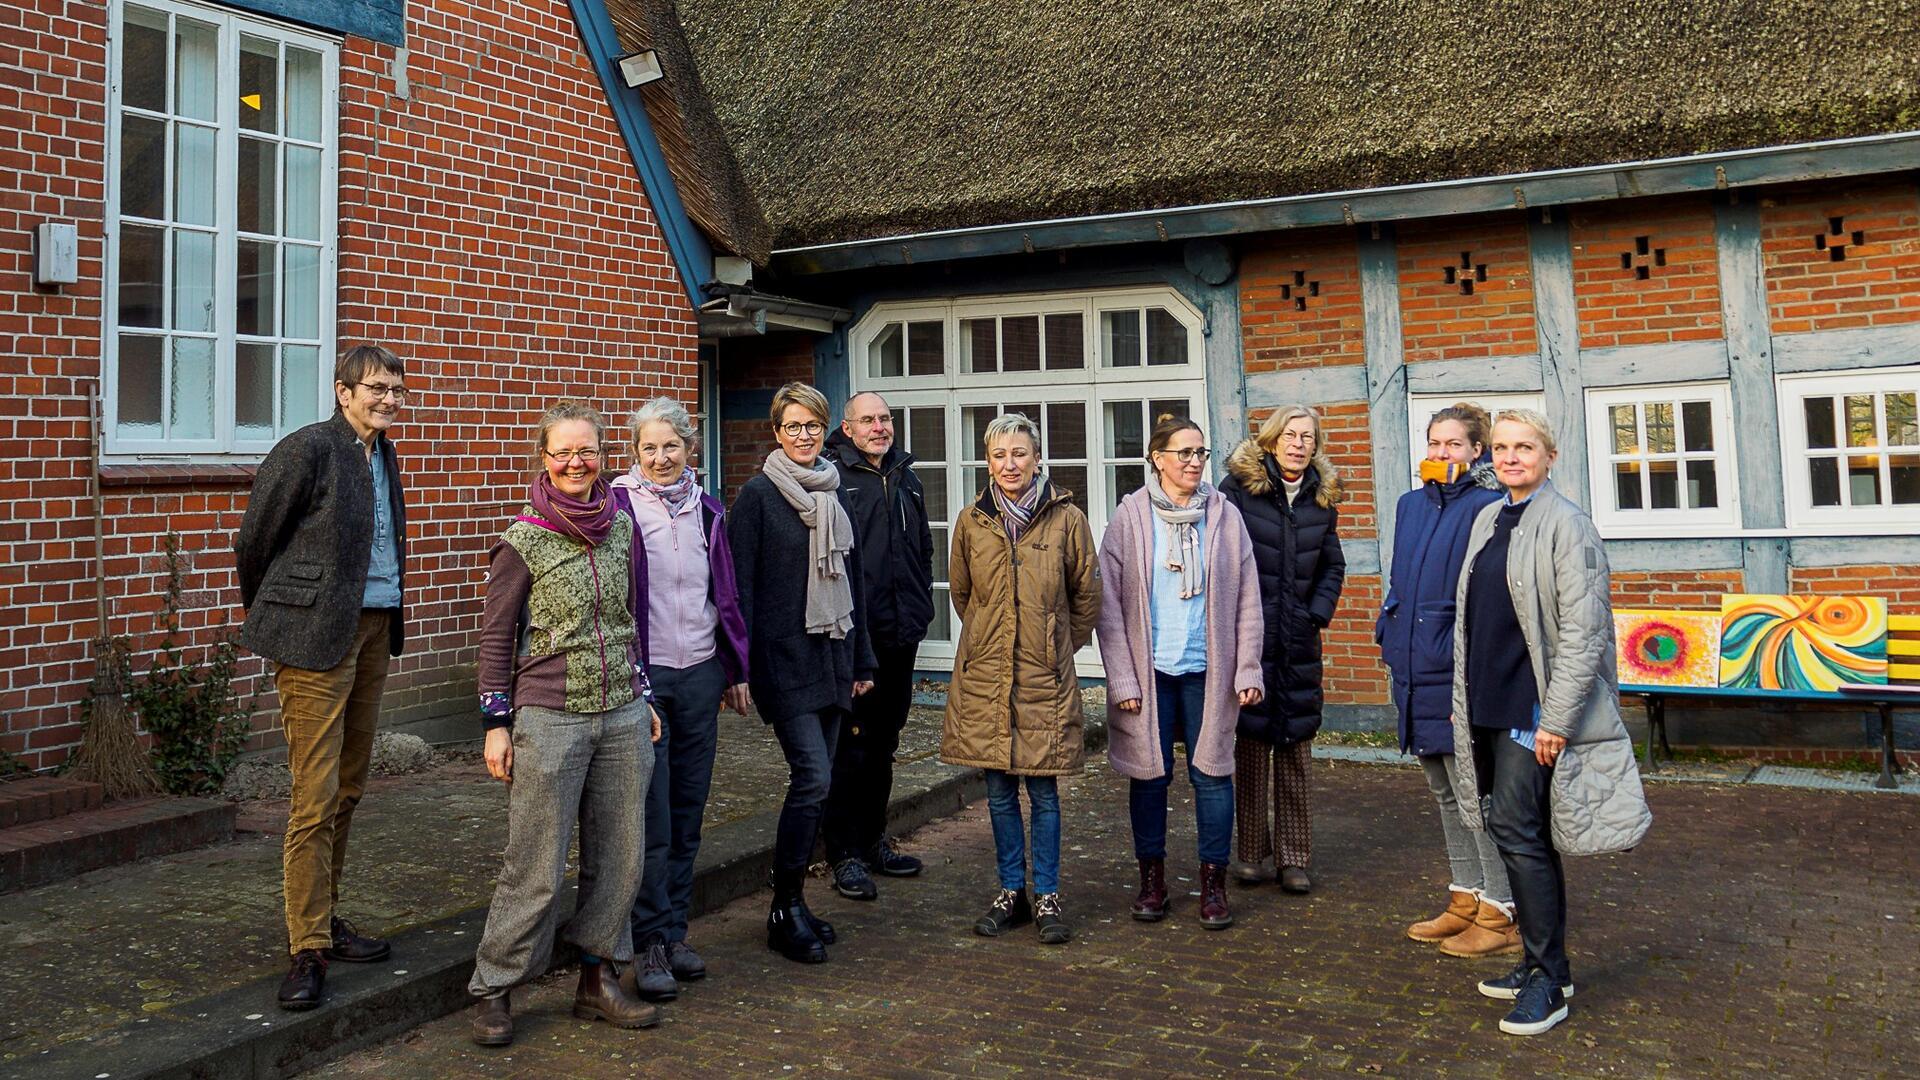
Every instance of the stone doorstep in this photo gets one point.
(38, 798)
(55, 849)
(239, 1034)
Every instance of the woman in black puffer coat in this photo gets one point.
(1287, 491)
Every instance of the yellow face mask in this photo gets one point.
(1445, 472)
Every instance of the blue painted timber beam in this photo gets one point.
(384, 21)
(690, 250)
(1705, 172)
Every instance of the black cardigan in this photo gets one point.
(790, 671)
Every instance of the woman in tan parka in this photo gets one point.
(1025, 581)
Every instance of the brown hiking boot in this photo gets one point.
(1492, 934)
(493, 1022)
(601, 997)
(1461, 907)
(1151, 904)
(1214, 913)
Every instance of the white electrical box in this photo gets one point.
(56, 254)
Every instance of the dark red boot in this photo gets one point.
(1151, 904)
(1214, 913)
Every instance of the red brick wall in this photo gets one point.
(1440, 321)
(1899, 584)
(491, 230)
(1874, 285)
(1677, 299)
(752, 367)
(1689, 590)
(1300, 304)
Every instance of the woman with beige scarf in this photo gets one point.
(808, 657)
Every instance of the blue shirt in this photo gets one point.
(383, 568)
(1179, 626)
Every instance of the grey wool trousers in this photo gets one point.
(587, 767)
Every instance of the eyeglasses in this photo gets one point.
(382, 391)
(1300, 438)
(883, 418)
(564, 457)
(795, 430)
(1189, 455)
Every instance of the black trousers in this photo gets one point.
(807, 741)
(1519, 812)
(856, 815)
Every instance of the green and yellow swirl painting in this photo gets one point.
(1802, 642)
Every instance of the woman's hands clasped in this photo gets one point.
(1249, 697)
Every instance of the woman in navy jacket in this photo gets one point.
(1415, 633)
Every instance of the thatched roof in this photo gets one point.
(852, 119)
(698, 154)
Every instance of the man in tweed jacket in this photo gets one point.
(321, 558)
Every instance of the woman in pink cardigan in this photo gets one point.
(1180, 637)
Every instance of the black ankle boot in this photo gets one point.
(790, 929)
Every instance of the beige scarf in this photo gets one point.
(830, 537)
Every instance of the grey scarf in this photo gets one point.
(1183, 540)
(830, 538)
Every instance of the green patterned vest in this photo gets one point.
(578, 608)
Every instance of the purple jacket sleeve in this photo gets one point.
(508, 585)
(726, 596)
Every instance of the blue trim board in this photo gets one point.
(745, 404)
(1307, 385)
(1743, 310)
(1550, 251)
(1386, 376)
(1479, 375)
(1847, 350)
(1667, 556)
(1856, 550)
(1646, 365)
(690, 251)
(384, 21)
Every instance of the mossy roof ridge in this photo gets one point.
(852, 120)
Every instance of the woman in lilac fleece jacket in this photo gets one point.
(693, 641)
(1180, 636)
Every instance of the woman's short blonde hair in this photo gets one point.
(1269, 436)
(559, 413)
(798, 393)
(1538, 422)
(1007, 425)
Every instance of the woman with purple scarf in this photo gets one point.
(693, 642)
(564, 699)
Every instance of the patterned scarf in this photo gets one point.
(1017, 514)
(829, 539)
(589, 519)
(1183, 540)
(676, 494)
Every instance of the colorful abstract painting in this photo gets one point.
(1668, 648)
(1802, 642)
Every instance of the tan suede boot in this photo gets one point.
(1458, 916)
(1492, 933)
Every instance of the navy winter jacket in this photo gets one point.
(1415, 630)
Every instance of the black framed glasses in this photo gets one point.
(382, 391)
(1189, 455)
(796, 429)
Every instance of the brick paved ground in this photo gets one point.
(1757, 931)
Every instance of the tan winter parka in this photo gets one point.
(1014, 703)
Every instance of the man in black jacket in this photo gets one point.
(891, 533)
(321, 557)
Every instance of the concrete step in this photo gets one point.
(56, 848)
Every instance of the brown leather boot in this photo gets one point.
(493, 1022)
(1492, 934)
(1214, 913)
(1461, 907)
(1151, 904)
(601, 998)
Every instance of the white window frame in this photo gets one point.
(1422, 406)
(1845, 519)
(225, 443)
(1090, 385)
(1720, 520)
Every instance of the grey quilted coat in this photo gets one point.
(1557, 574)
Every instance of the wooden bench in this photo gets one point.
(1902, 688)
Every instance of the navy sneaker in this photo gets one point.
(851, 880)
(1539, 1006)
(892, 863)
(1507, 987)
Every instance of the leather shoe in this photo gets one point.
(685, 963)
(1294, 879)
(790, 934)
(600, 997)
(493, 1022)
(350, 947)
(306, 983)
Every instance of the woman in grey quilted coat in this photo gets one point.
(1536, 695)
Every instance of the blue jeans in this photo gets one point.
(688, 700)
(807, 741)
(1010, 834)
(1180, 700)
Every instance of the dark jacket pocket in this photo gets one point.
(305, 571)
(1433, 641)
(290, 595)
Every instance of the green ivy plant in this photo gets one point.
(198, 726)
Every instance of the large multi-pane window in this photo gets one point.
(1662, 460)
(1093, 370)
(220, 248)
(1852, 448)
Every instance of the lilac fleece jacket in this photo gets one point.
(1235, 629)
